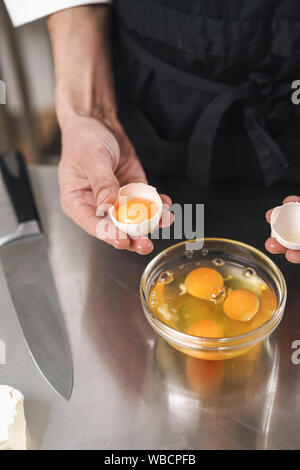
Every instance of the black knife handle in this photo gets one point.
(16, 179)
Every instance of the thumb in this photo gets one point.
(100, 172)
(105, 185)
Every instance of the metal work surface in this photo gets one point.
(132, 390)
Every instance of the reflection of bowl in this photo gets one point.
(211, 248)
(242, 388)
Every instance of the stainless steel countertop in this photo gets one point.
(132, 390)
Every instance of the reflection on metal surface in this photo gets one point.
(23, 230)
(33, 293)
(240, 391)
(272, 385)
(131, 389)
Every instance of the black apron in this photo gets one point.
(204, 87)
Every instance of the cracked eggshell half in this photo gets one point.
(285, 225)
(143, 192)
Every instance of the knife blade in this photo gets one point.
(24, 258)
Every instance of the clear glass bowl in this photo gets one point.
(235, 252)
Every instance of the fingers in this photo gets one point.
(141, 245)
(166, 200)
(109, 233)
(104, 229)
(95, 163)
(274, 247)
(89, 184)
(291, 199)
(285, 201)
(80, 207)
(99, 167)
(268, 215)
(103, 182)
(293, 256)
(167, 218)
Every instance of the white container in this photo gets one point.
(12, 419)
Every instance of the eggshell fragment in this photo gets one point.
(137, 191)
(285, 225)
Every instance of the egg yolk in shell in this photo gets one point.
(204, 283)
(241, 304)
(136, 211)
(206, 329)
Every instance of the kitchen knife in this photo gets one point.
(30, 281)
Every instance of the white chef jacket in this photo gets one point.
(24, 11)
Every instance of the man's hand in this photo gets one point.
(94, 164)
(97, 156)
(273, 246)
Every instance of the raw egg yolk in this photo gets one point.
(204, 283)
(241, 304)
(206, 329)
(136, 211)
